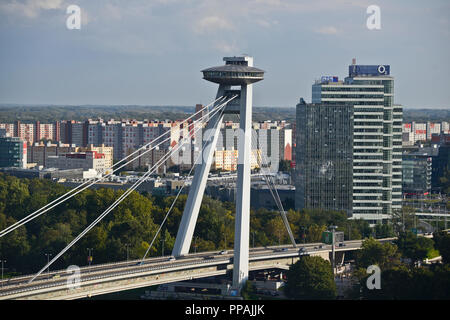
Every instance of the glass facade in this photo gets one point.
(417, 174)
(218, 74)
(11, 152)
(376, 162)
(324, 157)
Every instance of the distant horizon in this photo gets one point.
(170, 106)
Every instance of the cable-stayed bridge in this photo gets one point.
(234, 96)
(126, 275)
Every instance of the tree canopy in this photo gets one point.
(403, 280)
(310, 278)
(442, 243)
(414, 247)
(373, 252)
(133, 224)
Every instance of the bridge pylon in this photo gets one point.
(237, 72)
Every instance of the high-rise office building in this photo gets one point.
(441, 164)
(376, 138)
(417, 171)
(324, 157)
(13, 152)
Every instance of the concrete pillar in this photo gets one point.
(242, 224)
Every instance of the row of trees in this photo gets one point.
(132, 225)
(444, 182)
(401, 276)
(310, 278)
(48, 114)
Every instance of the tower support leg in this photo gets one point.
(194, 200)
(242, 223)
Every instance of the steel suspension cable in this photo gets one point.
(45, 209)
(119, 200)
(175, 200)
(274, 194)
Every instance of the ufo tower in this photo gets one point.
(235, 79)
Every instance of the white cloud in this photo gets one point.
(226, 47)
(330, 30)
(211, 24)
(29, 8)
(266, 23)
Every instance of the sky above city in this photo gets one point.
(150, 52)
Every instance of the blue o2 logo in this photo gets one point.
(381, 69)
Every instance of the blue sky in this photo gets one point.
(150, 52)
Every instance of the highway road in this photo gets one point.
(95, 272)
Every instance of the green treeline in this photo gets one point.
(47, 114)
(403, 275)
(134, 223)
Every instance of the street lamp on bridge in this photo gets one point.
(89, 255)
(127, 246)
(2, 261)
(333, 254)
(48, 255)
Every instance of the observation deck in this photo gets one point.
(235, 72)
